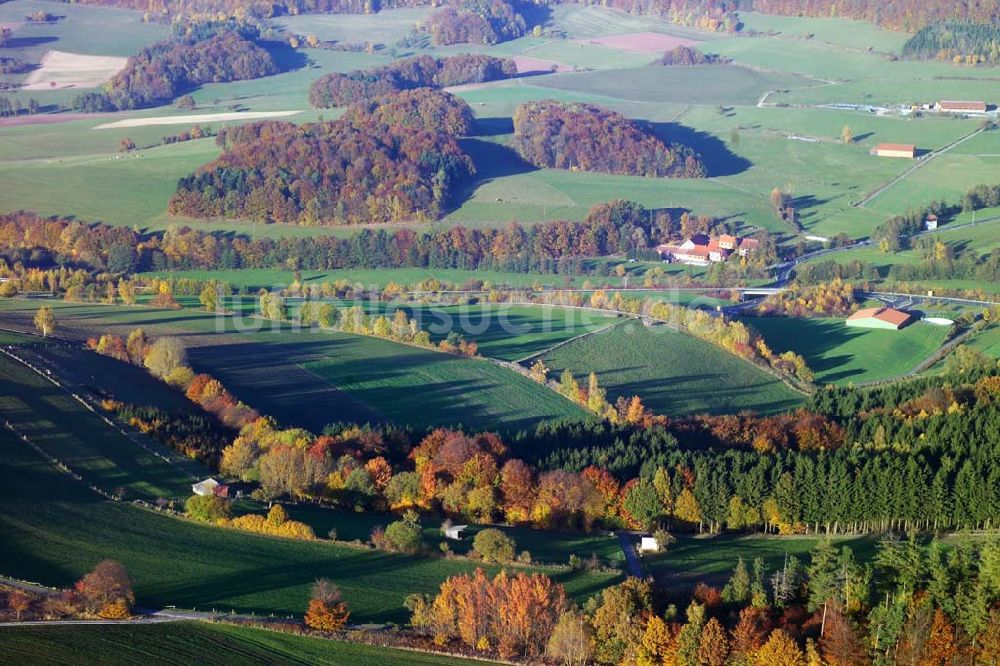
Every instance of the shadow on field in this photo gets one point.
(493, 126)
(718, 159)
(26, 42)
(492, 160)
(286, 57)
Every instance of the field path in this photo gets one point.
(922, 162)
(573, 339)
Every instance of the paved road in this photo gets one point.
(632, 561)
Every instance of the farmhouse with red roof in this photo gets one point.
(702, 250)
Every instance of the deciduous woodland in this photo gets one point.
(588, 138)
(420, 109)
(329, 173)
(475, 22)
(338, 89)
(161, 72)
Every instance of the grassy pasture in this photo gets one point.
(506, 332)
(704, 84)
(99, 31)
(547, 547)
(842, 355)
(674, 373)
(979, 239)
(188, 643)
(311, 378)
(853, 75)
(66, 430)
(384, 27)
(839, 32)
(711, 559)
(410, 386)
(55, 530)
(987, 342)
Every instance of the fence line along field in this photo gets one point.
(674, 373)
(54, 420)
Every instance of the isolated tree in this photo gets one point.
(656, 644)
(404, 536)
(207, 508)
(737, 590)
(846, 135)
(126, 291)
(45, 321)
(492, 545)
(185, 102)
(19, 602)
(209, 298)
(165, 355)
(327, 611)
(126, 145)
(106, 588)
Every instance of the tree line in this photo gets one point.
(616, 227)
(904, 15)
(585, 137)
(340, 89)
(204, 53)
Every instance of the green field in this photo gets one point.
(311, 378)
(545, 546)
(701, 85)
(390, 382)
(711, 559)
(674, 373)
(55, 530)
(987, 342)
(505, 332)
(65, 429)
(84, 30)
(184, 643)
(842, 355)
(66, 168)
(976, 240)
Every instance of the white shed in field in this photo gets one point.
(455, 532)
(648, 544)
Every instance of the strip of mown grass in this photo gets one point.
(674, 373)
(185, 643)
(54, 530)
